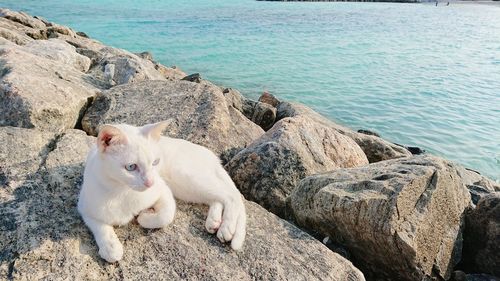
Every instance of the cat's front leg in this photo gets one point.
(110, 247)
(162, 212)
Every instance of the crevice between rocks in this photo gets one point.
(81, 114)
(12, 264)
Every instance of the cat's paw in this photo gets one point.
(225, 233)
(214, 217)
(111, 251)
(151, 219)
(212, 224)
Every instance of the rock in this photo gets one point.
(375, 148)
(269, 99)
(268, 170)
(22, 18)
(234, 98)
(145, 55)
(59, 51)
(378, 149)
(21, 153)
(82, 34)
(481, 252)
(170, 73)
(200, 112)
(399, 219)
(478, 185)
(127, 68)
(43, 85)
(48, 247)
(13, 35)
(195, 77)
(415, 150)
(260, 113)
(53, 30)
(368, 132)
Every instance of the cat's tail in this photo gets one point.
(240, 232)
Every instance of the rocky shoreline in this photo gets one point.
(347, 205)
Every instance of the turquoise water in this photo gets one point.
(417, 74)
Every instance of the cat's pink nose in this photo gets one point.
(148, 182)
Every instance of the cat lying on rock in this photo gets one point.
(135, 171)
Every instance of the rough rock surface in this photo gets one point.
(400, 219)
(482, 236)
(268, 170)
(375, 148)
(40, 87)
(269, 99)
(36, 245)
(260, 113)
(478, 185)
(200, 112)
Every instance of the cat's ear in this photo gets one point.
(109, 136)
(154, 130)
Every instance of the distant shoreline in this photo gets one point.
(466, 2)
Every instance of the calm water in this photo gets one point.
(418, 74)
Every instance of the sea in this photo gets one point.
(418, 74)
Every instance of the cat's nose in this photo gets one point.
(148, 182)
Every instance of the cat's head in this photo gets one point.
(130, 155)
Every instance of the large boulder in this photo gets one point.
(43, 85)
(482, 236)
(375, 148)
(268, 170)
(399, 219)
(200, 113)
(46, 238)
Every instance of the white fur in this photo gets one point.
(111, 195)
(195, 174)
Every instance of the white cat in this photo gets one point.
(125, 176)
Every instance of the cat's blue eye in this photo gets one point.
(156, 162)
(131, 167)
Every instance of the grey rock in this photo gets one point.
(378, 149)
(58, 51)
(268, 170)
(22, 18)
(399, 219)
(260, 113)
(21, 153)
(478, 185)
(13, 35)
(195, 77)
(481, 251)
(170, 73)
(415, 150)
(145, 55)
(269, 99)
(375, 148)
(200, 113)
(368, 132)
(127, 67)
(42, 85)
(58, 245)
(234, 98)
(53, 30)
(82, 34)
